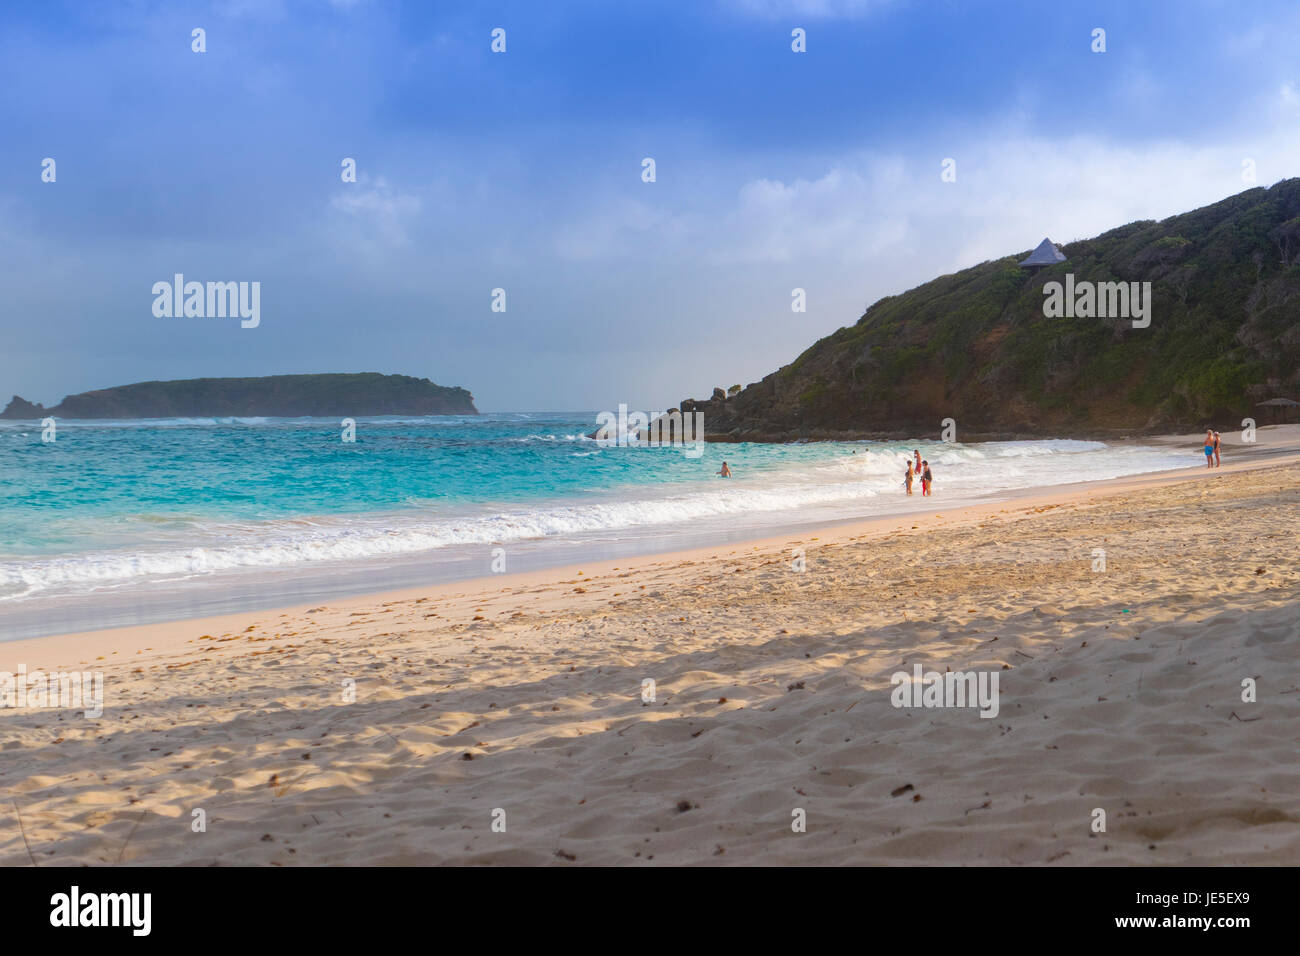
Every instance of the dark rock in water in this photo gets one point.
(21, 408)
(278, 396)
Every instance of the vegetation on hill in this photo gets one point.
(290, 396)
(976, 346)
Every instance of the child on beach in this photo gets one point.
(926, 478)
(1209, 448)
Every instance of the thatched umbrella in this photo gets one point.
(1282, 407)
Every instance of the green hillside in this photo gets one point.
(290, 396)
(975, 346)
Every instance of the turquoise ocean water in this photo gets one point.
(126, 521)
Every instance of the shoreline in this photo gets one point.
(679, 709)
(158, 636)
(109, 603)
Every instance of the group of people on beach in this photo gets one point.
(919, 468)
(1212, 448)
(916, 468)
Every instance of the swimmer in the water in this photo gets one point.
(724, 471)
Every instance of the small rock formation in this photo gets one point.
(21, 408)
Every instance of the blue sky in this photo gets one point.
(522, 171)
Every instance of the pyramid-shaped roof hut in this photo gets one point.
(1045, 255)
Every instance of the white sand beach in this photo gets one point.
(1120, 690)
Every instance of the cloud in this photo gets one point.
(486, 187)
(879, 209)
(266, 10)
(813, 9)
(853, 228)
(619, 228)
(379, 212)
(836, 216)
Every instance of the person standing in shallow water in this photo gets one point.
(1209, 448)
(1217, 461)
(909, 477)
(926, 478)
(724, 471)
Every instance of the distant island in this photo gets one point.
(979, 346)
(278, 396)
